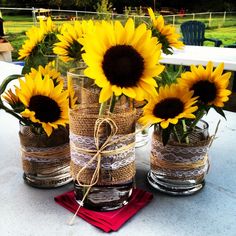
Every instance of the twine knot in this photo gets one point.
(99, 149)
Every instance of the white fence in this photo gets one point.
(212, 19)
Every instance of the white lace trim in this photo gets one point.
(175, 153)
(179, 155)
(111, 162)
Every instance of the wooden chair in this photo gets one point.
(194, 34)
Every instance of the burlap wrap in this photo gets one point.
(180, 161)
(82, 120)
(43, 155)
(82, 123)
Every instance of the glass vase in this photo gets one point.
(116, 163)
(45, 160)
(141, 138)
(180, 169)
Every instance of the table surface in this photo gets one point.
(212, 211)
(7, 69)
(200, 55)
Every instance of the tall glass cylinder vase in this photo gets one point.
(141, 138)
(102, 148)
(45, 160)
(180, 169)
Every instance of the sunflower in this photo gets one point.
(47, 26)
(49, 70)
(69, 46)
(39, 39)
(173, 102)
(11, 98)
(166, 33)
(45, 104)
(208, 84)
(35, 37)
(122, 59)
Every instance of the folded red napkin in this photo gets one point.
(111, 220)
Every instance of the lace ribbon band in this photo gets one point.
(179, 161)
(44, 154)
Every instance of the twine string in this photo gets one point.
(43, 153)
(52, 154)
(180, 166)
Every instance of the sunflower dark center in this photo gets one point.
(45, 108)
(74, 50)
(123, 65)
(205, 90)
(168, 108)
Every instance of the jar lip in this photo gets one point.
(205, 125)
(75, 71)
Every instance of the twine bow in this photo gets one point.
(99, 150)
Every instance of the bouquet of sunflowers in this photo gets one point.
(39, 100)
(183, 99)
(180, 141)
(38, 48)
(40, 103)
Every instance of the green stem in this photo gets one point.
(176, 134)
(185, 131)
(13, 113)
(102, 108)
(198, 117)
(6, 81)
(112, 104)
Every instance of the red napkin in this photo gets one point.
(111, 220)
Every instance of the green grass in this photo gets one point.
(16, 26)
(16, 39)
(227, 34)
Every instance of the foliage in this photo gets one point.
(105, 9)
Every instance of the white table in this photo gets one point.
(7, 69)
(27, 211)
(197, 55)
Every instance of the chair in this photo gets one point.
(230, 45)
(194, 33)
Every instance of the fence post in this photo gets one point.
(173, 20)
(210, 19)
(76, 15)
(224, 18)
(33, 16)
(193, 16)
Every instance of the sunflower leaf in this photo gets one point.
(7, 81)
(166, 134)
(220, 111)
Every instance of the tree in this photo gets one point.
(85, 3)
(57, 3)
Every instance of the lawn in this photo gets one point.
(16, 26)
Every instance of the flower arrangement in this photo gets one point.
(166, 34)
(39, 101)
(178, 107)
(122, 61)
(183, 98)
(68, 47)
(38, 48)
